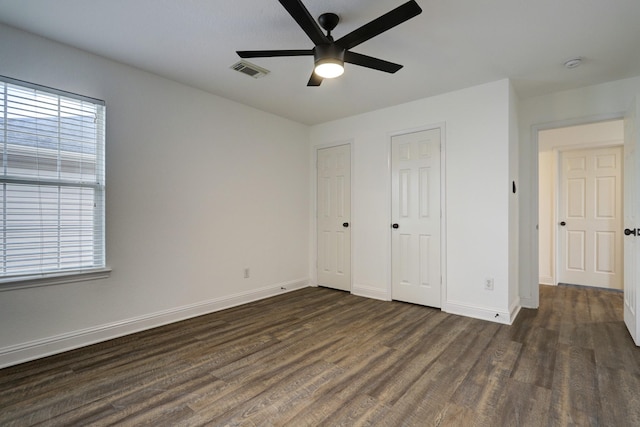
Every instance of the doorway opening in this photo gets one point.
(580, 204)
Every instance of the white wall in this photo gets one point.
(198, 187)
(593, 103)
(550, 143)
(477, 185)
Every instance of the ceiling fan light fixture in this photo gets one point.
(329, 68)
(330, 55)
(329, 61)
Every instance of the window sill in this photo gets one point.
(38, 280)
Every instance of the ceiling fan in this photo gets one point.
(330, 55)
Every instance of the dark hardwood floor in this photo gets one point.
(323, 357)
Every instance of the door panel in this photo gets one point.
(334, 210)
(576, 251)
(605, 246)
(631, 221)
(605, 197)
(576, 198)
(590, 215)
(415, 251)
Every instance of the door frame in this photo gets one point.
(443, 206)
(313, 250)
(534, 285)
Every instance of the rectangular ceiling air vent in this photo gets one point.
(249, 69)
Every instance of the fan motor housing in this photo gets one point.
(326, 51)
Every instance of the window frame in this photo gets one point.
(99, 269)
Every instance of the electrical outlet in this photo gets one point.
(488, 284)
(247, 273)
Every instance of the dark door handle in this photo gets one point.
(345, 224)
(395, 225)
(629, 232)
(563, 223)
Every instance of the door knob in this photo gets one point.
(562, 223)
(628, 232)
(345, 224)
(395, 225)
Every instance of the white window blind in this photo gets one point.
(52, 181)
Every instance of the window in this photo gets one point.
(52, 190)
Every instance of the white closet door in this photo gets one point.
(415, 252)
(334, 217)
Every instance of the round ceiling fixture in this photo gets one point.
(328, 69)
(329, 59)
(573, 62)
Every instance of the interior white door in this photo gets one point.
(631, 223)
(415, 213)
(590, 218)
(334, 217)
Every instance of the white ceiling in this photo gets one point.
(453, 44)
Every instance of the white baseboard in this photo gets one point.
(528, 302)
(370, 292)
(514, 310)
(15, 354)
(482, 313)
(546, 280)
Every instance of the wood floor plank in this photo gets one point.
(425, 401)
(605, 306)
(575, 394)
(554, 303)
(577, 335)
(322, 357)
(521, 404)
(482, 387)
(351, 383)
(456, 415)
(536, 362)
(610, 349)
(362, 410)
(620, 398)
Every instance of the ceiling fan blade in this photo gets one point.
(387, 21)
(304, 19)
(272, 53)
(371, 62)
(315, 80)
